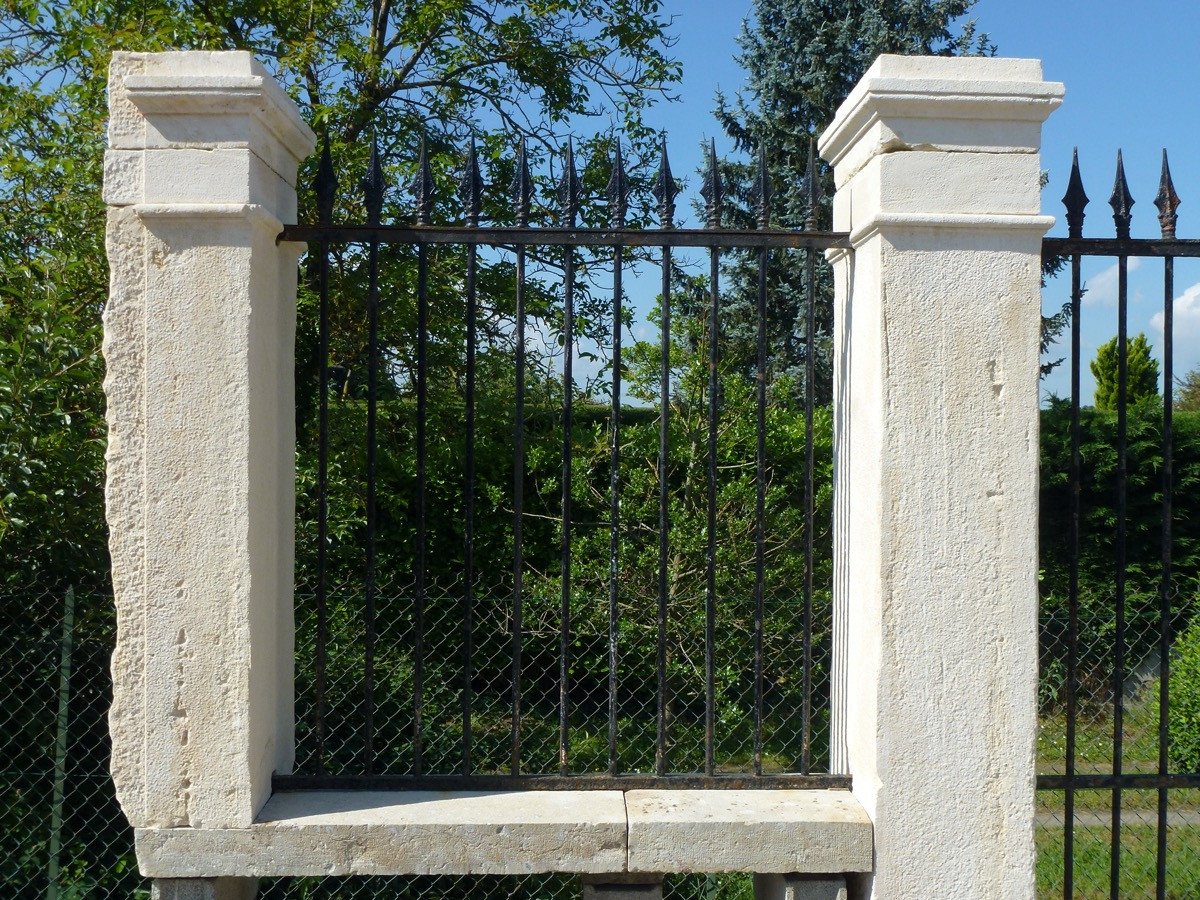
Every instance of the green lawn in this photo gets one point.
(1094, 735)
(1138, 855)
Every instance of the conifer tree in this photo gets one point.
(801, 58)
(1141, 373)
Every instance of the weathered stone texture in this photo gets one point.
(198, 341)
(936, 392)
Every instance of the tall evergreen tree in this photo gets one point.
(801, 58)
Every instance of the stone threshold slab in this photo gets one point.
(520, 832)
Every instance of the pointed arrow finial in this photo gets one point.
(1167, 201)
(325, 185)
(711, 189)
(812, 189)
(522, 186)
(1075, 199)
(665, 189)
(423, 186)
(568, 188)
(372, 184)
(763, 190)
(1121, 201)
(618, 189)
(470, 187)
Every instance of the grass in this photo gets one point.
(1138, 858)
(1092, 851)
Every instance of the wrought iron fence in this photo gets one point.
(1128, 808)
(573, 694)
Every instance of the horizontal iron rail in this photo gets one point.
(558, 782)
(573, 237)
(1120, 247)
(1125, 781)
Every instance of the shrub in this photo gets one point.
(1184, 715)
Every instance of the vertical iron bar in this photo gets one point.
(1121, 202)
(424, 201)
(326, 189)
(568, 195)
(373, 193)
(472, 191)
(760, 468)
(618, 192)
(664, 191)
(711, 192)
(1167, 202)
(1075, 200)
(810, 376)
(53, 864)
(523, 192)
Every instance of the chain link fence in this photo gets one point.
(60, 823)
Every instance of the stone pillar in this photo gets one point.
(198, 340)
(936, 429)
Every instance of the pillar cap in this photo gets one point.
(982, 104)
(169, 90)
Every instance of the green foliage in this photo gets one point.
(1183, 720)
(1141, 373)
(445, 68)
(637, 572)
(802, 57)
(1098, 560)
(1187, 392)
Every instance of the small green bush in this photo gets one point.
(1184, 716)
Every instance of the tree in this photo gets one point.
(802, 57)
(1187, 392)
(1141, 373)
(445, 69)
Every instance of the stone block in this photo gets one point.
(411, 832)
(747, 831)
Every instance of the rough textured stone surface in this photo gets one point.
(936, 392)
(747, 831)
(418, 832)
(203, 889)
(198, 341)
(798, 887)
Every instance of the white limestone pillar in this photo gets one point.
(198, 340)
(936, 428)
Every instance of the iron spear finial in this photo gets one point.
(763, 190)
(1121, 201)
(423, 186)
(812, 189)
(711, 189)
(618, 189)
(1167, 201)
(372, 184)
(665, 188)
(1075, 199)
(470, 187)
(568, 188)
(325, 185)
(522, 185)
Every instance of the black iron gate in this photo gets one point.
(1115, 773)
(528, 694)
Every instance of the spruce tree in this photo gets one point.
(801, 58)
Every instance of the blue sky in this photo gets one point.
(1129, 73)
